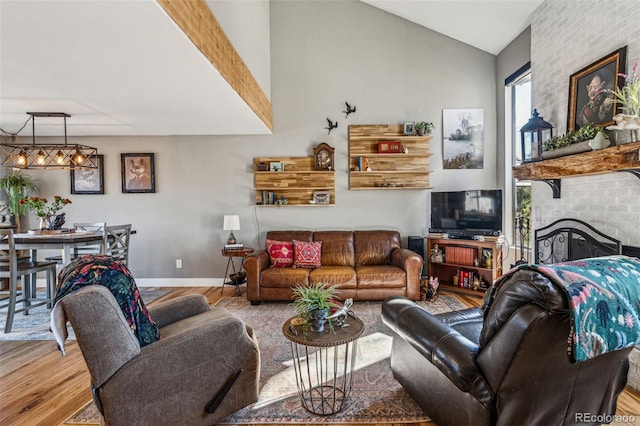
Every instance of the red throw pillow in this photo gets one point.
(306, 254)
(280, 253)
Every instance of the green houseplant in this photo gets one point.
(17, 186)
(314, 302)
(586, 133)
(424, 127)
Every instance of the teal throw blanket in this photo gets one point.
(604, 302)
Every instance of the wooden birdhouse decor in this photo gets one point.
(323, 157)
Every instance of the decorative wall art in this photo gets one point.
(138, 173)
(88, 181)
(349, 109)
(590, 97)
(463, 138)
(331, 125)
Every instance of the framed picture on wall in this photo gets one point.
(590, 97)
(138, 173)
(463, 138)
(88, 181)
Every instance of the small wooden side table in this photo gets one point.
(237, 277)
(324, 363)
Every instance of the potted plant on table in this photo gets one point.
(424, 127)
(17, 186)
(313, 304)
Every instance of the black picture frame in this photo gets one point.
(88, 181)
(138, 173)
(602, 76)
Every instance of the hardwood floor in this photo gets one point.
(38, 386)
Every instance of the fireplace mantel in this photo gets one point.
(613, 159)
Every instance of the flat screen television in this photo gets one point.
(467, 213)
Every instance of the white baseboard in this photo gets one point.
(165, 282)
(179, 282)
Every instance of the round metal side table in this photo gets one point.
(324, 363)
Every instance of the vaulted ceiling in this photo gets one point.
(127, 68)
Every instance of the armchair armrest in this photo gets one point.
(452, 353)
(168, 312)
(254, 264)
(410, 262)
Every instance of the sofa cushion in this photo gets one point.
(372, 276)
(284, 277)
(375, 247)
(307, 254)
(337, 247)
(342, 276)
(280, 253)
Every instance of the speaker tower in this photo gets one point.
(416, 244)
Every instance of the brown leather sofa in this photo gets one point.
(365, 265)
(510, 368)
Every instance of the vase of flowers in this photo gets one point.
(629, 98)
(48, 214)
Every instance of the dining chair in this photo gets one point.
(117, 242)
(12, 268)
(91, 249)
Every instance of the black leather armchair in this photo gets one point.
(510, 368)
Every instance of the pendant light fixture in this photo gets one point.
(47, 156)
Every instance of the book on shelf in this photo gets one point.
(238, 246)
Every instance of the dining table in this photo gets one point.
(64, 241)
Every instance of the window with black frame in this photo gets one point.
(518, 87)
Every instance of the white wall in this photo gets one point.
(567, 35)
(322, 54)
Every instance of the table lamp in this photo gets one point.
(231, 223)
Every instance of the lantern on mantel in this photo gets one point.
(532, 135)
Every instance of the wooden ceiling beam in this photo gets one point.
(199, 24)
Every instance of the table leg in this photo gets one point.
(324, 376)
(226, 272)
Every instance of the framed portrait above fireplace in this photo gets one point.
(590, 98)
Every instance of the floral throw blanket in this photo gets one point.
(604, 300)
(103, 270)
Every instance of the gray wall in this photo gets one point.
(322, 54)
(562, 43)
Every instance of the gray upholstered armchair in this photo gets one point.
(187, 377)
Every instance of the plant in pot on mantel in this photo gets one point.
(17, 186)
(629, 98)
(424, 127)
(313, 304)
(587, 138)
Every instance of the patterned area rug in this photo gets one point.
(35, 326)
(376, 397)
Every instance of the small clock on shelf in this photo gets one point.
(323, 157)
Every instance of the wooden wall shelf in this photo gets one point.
(296, 183)
(615, 158)
(391, 171)
(619, 158)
